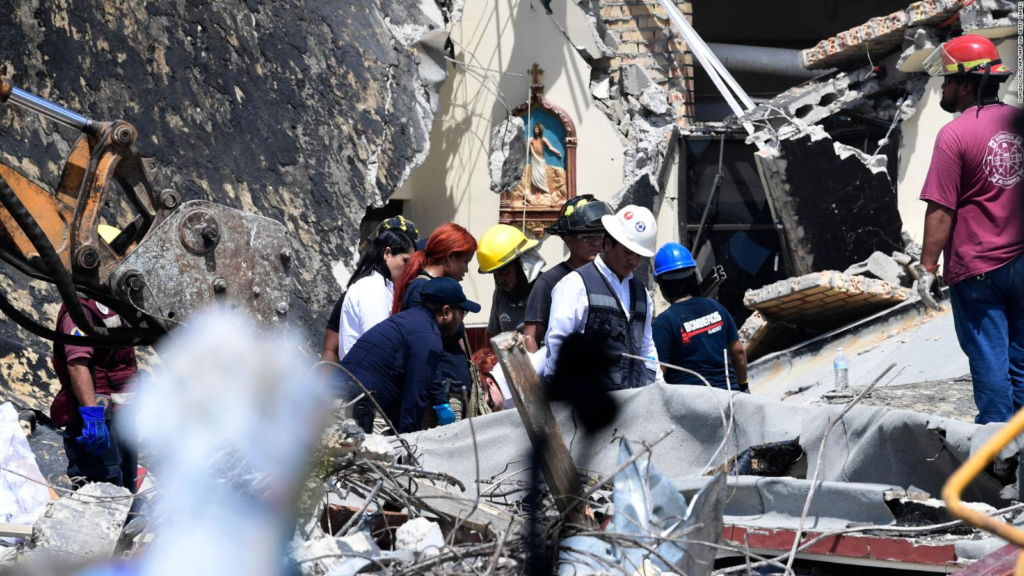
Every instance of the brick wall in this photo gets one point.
(646, 37)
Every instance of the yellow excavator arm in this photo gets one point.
(172, 258)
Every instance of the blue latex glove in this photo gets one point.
(445, 415)
(95, 436)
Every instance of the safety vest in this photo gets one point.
(606, 318)
(112, 368)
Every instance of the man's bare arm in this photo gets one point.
(938, 221)
(530, 332)
(81, 381)
(739, 360)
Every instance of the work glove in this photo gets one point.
(95, 436)
(929, 286)
(745, 386)
(445, 416)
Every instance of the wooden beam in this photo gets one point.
(559, 470)
(15, 531)
(480, 516)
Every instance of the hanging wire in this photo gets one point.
(529, 118)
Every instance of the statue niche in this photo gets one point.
(548, 179)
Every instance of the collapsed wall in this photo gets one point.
(306, 113)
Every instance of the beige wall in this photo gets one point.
(453, 184)
(919, 138)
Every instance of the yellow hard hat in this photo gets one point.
(500, 245)
(107, 232)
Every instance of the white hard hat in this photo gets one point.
(633, 227)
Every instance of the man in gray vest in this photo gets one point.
(607, 303)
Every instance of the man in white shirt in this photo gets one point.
(604, 300)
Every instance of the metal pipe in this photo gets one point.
(45, 108)
(763, 60)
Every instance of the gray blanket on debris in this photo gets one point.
(870, 450)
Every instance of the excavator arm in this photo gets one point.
(171, 259)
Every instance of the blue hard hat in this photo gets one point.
(672, 256)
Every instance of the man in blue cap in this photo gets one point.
(396, 359)
(694, 331)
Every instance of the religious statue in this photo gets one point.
(538, 168)
(549, 176)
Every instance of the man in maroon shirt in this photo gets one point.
(95, 383)
(975, 218)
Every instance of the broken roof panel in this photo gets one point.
(877, 37)
(823, 300)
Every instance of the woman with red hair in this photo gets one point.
(447, 254)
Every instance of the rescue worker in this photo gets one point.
(975, 218)
(579, 225)
(396, 360)
(447, 254)
(512, 258)
(607, 303)
(94, 384)
(694, 332)
(332, 350)
(370, 291)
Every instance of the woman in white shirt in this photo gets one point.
(371, 290)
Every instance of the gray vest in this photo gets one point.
(606, 319)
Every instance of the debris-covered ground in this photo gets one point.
(276, 481)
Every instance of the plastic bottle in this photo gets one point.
(842, 366)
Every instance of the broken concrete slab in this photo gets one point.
(655, 100)
(761, 337)
(508, 154)
(378, 447)
(880, 267)
(918, 44)
(990, 18)
(342, 438)
(875, 163)
(420, 535)
(834, 211)
(634, 79)
(601, 87)
(877, 37)
(649, 142)
(753, 330)
(85, 524)
(824, 300)
(808, 103)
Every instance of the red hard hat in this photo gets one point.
(968, 54)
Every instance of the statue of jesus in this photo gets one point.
(539, 168)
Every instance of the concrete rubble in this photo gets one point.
(85, 524)
(508, 154)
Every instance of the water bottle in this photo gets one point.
(842, 366)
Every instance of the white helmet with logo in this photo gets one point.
(633, 227)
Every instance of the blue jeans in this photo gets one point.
(988, 312)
